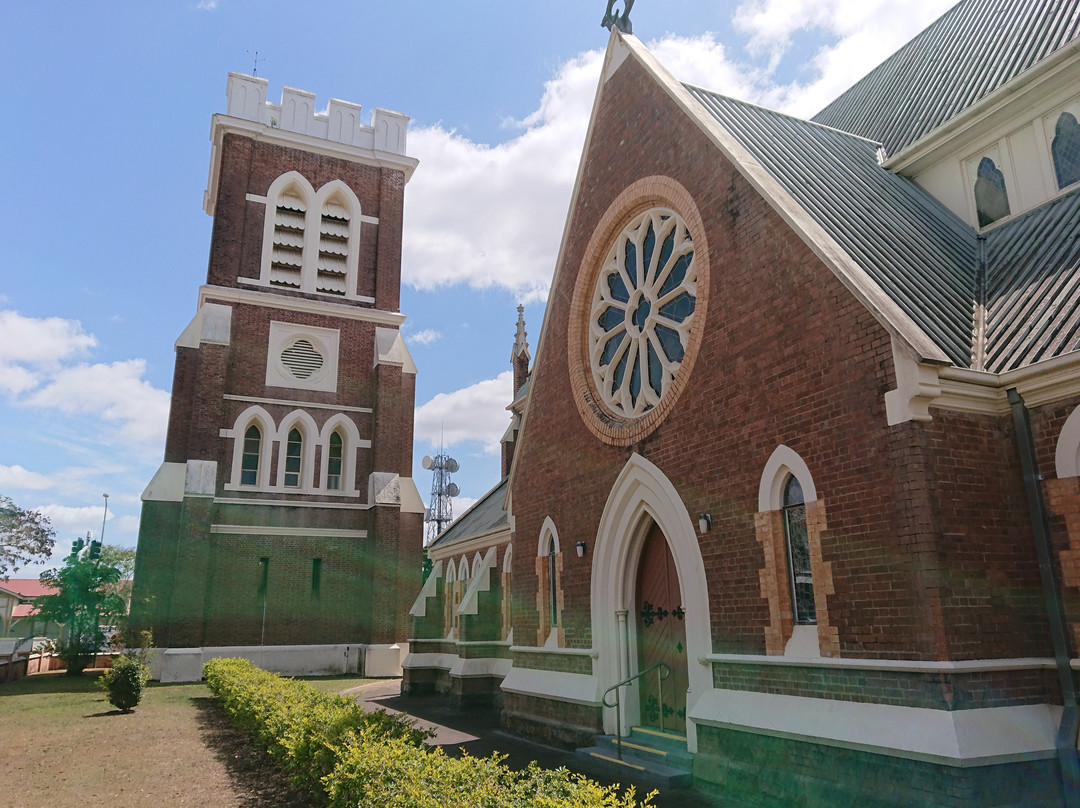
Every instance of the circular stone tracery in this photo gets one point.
(642, 309)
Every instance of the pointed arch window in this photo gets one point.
(1066, 150)
(287, 258)
(332, 269)
(991, 197)
(553, 588)
(798, 551)
(333, 462)
(294, 450)
(249, 462)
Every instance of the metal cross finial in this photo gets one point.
(620, 21)
(255, 59)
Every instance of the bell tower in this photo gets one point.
(285, 513)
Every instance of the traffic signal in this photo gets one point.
(76, 546)
(95, 550)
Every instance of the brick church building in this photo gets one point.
(802, 434)
(284, 513)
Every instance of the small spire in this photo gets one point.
(521, 344)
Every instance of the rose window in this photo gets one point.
(641, 312)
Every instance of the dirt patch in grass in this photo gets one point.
(65, 745)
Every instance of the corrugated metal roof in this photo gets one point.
(486, 514)
(974, 48)
(1033, 286)
(915, 249)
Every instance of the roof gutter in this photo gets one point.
(1055, 610)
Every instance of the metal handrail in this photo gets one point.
(663, 671)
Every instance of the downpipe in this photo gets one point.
(1065, 742)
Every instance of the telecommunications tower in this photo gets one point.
(440, 512)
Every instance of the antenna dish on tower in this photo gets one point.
(440, 512)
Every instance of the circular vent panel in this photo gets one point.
(302, 359)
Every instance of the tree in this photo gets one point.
(85, 599)
(25, 536)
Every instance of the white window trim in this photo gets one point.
(325, 340)
(300, 420)
(295, 182)
(782, 462)
(1003, 162)
(350, 442)
(261, 418)
(1067, 455)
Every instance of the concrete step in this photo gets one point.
(660, 739)
(645, 750)
(637, 770)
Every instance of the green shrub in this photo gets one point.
(125, 681)
(376, 760)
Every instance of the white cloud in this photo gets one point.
(493, 215)
(425, 337)
(39, 343)
(206, 5)
(114, 392)
(74, 521)
(16, 477)
(474, 413)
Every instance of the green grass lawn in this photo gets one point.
(65, 745)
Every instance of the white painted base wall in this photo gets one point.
(185, 664)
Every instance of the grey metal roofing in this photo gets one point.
(974, 48)
(486, 514)
(1033, 286)
(915, 249)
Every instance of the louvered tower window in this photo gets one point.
(333, 248)
(249, 462)
(293, 453)
(333, 463)
(991, 198)
(287, 259)
(798, 547)
(1066, 150)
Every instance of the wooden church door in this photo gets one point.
(661, 634)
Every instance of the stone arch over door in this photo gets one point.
(641, 495)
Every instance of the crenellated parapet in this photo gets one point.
(297, 113)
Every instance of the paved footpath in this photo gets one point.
(477, 732)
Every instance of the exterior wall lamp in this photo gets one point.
(580, 549)
(704, 523)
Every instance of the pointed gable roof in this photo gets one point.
(968, 53)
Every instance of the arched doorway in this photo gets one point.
(641, 497)
(661, 635)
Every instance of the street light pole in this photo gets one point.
(104, 516)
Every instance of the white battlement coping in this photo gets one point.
(340, 123)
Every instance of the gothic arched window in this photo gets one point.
(249, 462)
(1066, 150)
(798, 548)
(553, 588)
(991, 198)
(333, 462)
(293, 454)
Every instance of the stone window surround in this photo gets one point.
(312, 437)
(325, 341)
(634, 200)
(1063, 500)
(546, 635)
(296, 184)
(782, 637)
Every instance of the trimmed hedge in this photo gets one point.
(362, 759)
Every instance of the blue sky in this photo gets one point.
(104, 156)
